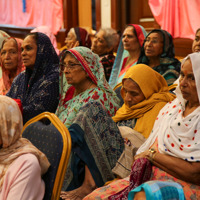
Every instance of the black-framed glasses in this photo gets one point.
(69, 66)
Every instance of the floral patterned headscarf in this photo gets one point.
(103, 93)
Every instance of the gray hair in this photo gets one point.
(72, 30)
(111, 37)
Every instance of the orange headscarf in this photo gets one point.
(156, 92)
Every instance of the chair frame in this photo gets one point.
(65, 153)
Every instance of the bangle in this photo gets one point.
(152, 154)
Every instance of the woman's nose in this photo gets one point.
(7, 55)
(127, 97)
(66, 70)
(95, 40)
(149, 43)
(183, 82)
(125, 38)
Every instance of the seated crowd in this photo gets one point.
(133, 118)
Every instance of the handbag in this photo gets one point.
(132, 141)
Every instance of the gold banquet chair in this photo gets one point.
(54, 141)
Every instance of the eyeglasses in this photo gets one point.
(69, 66)
(153, 41)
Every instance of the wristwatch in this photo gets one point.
(152, 154)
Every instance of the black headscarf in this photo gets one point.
(169, 65)
(38, 89)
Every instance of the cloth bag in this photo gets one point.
(133, 140)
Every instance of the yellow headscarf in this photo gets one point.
(156, 92)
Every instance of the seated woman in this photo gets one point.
(46, 30)
(128, 52)
(38, 86)
(104, 43)
(3, 36)
(77, 37)
(158, 53)
(173, 148)
(21, 163)
(96, 139)
(11, 63)
(196, 42)
(82, 80)
(85, 92)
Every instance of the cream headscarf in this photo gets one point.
(3, 36)
(12, 144)
(155, 90)
(178, 136)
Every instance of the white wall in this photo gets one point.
(106, 13)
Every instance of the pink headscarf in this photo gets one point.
(13, 145)
(46, 30)
(5, 82)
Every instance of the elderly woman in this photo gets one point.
(158, 53)
(84, 91)
(77, 37)
(128, 52)
(104, 43)
(3, 36)
(97, 142)
(11, 63)
(38, 86)
(83, 80)
(173, 148)
(21, 164)
(196, 42)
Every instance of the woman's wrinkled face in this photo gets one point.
(29, 51)
(196, 43)
(153, 45)
(74, 72)
(130, 41)
(187, 83)
(99, 44)
(132, 93)
(70, 40)
(9, 55)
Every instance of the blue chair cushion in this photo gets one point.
(48, 140)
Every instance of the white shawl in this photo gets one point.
(178, 136)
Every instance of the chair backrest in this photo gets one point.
(118, 92)
(54, 141)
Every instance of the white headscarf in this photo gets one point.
(178, 136)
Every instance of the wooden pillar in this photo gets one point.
(70, 14)
(98, 14)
